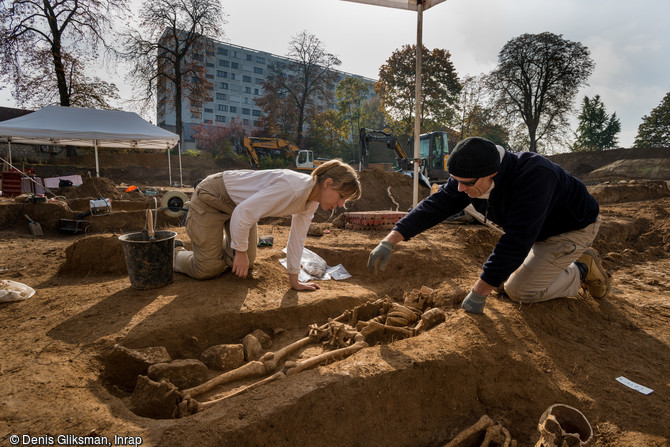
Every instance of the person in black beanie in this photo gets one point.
(548, 217)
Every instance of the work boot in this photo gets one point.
(594, 277)
(178, 243)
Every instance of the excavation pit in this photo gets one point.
(510, 364)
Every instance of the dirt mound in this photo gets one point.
(628, 164)
(93, 188)
(84, 257)
(629, 192)
(643, 168)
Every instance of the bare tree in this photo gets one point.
(536, 81)
(46, 45)
(477, 115)
(170, 49)
(307, 83)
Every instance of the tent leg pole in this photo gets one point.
(417, 104)
(9, 146)
(169, 168)
(97, 165)
(181, 180)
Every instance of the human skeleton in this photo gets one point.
(350, 332)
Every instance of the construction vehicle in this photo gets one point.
(301, 159)
(433, 154)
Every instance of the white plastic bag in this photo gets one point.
(14, 291)
(313, 266)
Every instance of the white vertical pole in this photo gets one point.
(9, 145)
(169, 167)
(97, 165)
(417, 109)
(181, 180)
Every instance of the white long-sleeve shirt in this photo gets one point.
(271, 193)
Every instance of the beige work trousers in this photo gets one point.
(549, 271)
(207, 221)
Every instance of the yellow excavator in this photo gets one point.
(301, 159)
(433, 154)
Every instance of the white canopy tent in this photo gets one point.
(419, 6)
(55, 125)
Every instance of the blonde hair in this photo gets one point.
(345, 178)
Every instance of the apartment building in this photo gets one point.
(237, 74)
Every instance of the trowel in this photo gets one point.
(150, 230)
(34, 227)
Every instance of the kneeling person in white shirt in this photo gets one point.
(231, 203)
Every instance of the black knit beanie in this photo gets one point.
(474, 157)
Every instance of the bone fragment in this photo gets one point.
(278, 375)
(271, 359)
(251, 369)
(296, 367)
(498, 434)
(482, 424)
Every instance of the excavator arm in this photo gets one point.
(251, 153)
(276, 146)
(367, 136)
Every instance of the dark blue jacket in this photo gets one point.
(533, 199)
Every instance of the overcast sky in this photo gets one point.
(629, 40)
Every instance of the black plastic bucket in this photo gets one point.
(149, 262)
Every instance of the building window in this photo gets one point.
(234, 98)
(259, 81)
(246, 112)
(223, 108)
(224, 63)
(234, 65)
(222, 74)
(246, 100)
(209, 64)
(256, 112)
(246, 78)
(221, 96)
(209, 111)
(233, 109)
(220, 118)
(256, 92)
(222, 51)
(260, 60)
(250, 57)
(258, 70)
(247, 89)
(233, 75)
(245, 122)
(208, 121)
(209, 76)
(224, 85)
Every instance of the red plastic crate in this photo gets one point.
(11, 183)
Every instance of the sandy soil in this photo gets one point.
(511, 363)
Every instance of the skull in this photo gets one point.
(563, 426)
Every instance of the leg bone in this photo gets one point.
(296, 367)
(482, 424)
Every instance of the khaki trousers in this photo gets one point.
(549, 271)
(208, 220)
